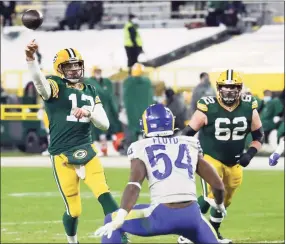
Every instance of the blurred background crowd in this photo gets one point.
(126, 93)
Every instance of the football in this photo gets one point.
(32, 19)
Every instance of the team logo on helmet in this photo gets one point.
(80, 154)
(55, 58)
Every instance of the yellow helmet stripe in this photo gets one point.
(229, 74)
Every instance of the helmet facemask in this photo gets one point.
(229, 94)
(73, 71)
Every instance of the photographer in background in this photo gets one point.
(7, 12)
(72, 16)
(204, 88)
(91, 12)
(175, 102)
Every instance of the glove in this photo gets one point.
(276, 119)
(219, 207)
(113, 225)
(273, 159)
(245, 158)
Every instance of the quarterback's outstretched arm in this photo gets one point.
(41, 84)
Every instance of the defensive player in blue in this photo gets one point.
(169, 164)
(273, 159)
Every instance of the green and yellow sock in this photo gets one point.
(70, 225)
(204, 205)
(108, 203)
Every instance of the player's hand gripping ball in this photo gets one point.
(32, 19)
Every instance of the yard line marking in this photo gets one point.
(83, 195)
(46, 222)
(249, 241)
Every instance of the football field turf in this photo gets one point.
(32, 208)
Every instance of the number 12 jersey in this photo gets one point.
(66, 131)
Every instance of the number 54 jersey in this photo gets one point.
(224, 136)
(171, 164)
(66, 131)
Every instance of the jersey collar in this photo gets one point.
(228, 108)
(79, 86)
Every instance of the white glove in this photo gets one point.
(219, 207)
(113, 225)
(276, 119)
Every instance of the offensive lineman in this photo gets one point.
(224, 122)
(71, 107)
(169, 164)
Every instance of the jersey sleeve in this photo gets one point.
(134, 151)
(201, 106)
(95, 94)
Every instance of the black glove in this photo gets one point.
(245, 158)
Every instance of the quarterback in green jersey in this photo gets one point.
(72, 108)
(224, 122)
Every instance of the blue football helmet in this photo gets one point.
(157, 120)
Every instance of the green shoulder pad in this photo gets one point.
(204, 102)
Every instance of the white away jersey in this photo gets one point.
(171, 164)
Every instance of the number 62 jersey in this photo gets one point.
(66, 131)
(224, 135)
(171, 164)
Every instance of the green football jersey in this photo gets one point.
(223, 138)
(66, 131)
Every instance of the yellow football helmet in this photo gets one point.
(229, 85)
(95, 68)
(137, 69)
(68, 64)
